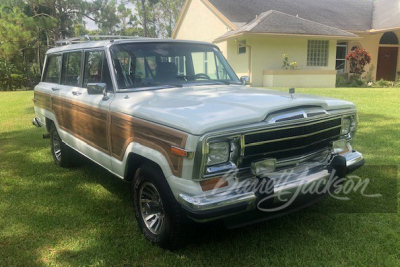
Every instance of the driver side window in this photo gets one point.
(96, 69)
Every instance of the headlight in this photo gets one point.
(349, 126)
(218, 153)
(346, 123)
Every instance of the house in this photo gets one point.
(316, 35)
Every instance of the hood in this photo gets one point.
(200, 109)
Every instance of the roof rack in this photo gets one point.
(88, 38)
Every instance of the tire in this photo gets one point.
(63, 155)
(158, 214)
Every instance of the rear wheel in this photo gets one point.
(63, 155)
(158, 214)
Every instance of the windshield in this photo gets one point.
(139, 65)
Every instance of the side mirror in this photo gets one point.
(96, 88)
(245, 80)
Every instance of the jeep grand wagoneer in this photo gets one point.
(197, 144)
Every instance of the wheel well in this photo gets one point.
(48, 124)
(133, 164)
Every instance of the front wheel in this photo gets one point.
(157, 212)
(63, 155)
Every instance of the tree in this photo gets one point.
(157, 18)
(126, 20)
(29, 27)
(15, 31)
(143, 18)
(107, 18)
(59, 16)
(16, 38)
(169, 14)
(115, 18)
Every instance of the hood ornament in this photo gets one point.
(292, 91)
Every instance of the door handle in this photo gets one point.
(76, 93)
(55, 89)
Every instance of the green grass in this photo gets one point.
(83, 216)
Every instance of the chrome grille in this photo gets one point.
(291, 141)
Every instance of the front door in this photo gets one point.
(387, 63)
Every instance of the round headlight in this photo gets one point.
(218, 153)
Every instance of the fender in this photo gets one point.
(121, 167)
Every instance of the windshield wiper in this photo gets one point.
(213, 83)
(151, 86)
(169, 85)
(225, 82)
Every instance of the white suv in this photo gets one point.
(173, 118)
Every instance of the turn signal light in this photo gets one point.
(213, 184)
(179, 151)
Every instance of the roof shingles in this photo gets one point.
(386, 14)
(280, 23)
(353, 15)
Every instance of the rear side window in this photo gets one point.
(53, 69)
(72, 69)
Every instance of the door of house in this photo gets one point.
(387, 63)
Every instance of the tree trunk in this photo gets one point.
(170, 26)
(144, 17)
(62, 17)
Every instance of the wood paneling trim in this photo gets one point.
(83, 121)
(112, 132)
(126, 129)
(42, 100)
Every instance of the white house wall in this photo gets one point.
(239, 62)
(201, 24)
(267, 56)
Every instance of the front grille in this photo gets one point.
(291, 141)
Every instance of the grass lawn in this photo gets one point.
(83, 216)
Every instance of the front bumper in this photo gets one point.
(240, 199)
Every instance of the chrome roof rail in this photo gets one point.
(89, 38)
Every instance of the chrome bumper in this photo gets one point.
(210, 207)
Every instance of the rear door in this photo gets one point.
(83, 116)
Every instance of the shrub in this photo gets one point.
(286, 65)
(358, 59)
(14, 82)
(357, 82)
(383, 83)
(342, 81)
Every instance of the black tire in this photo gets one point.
(148, 181)
(63, 155)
